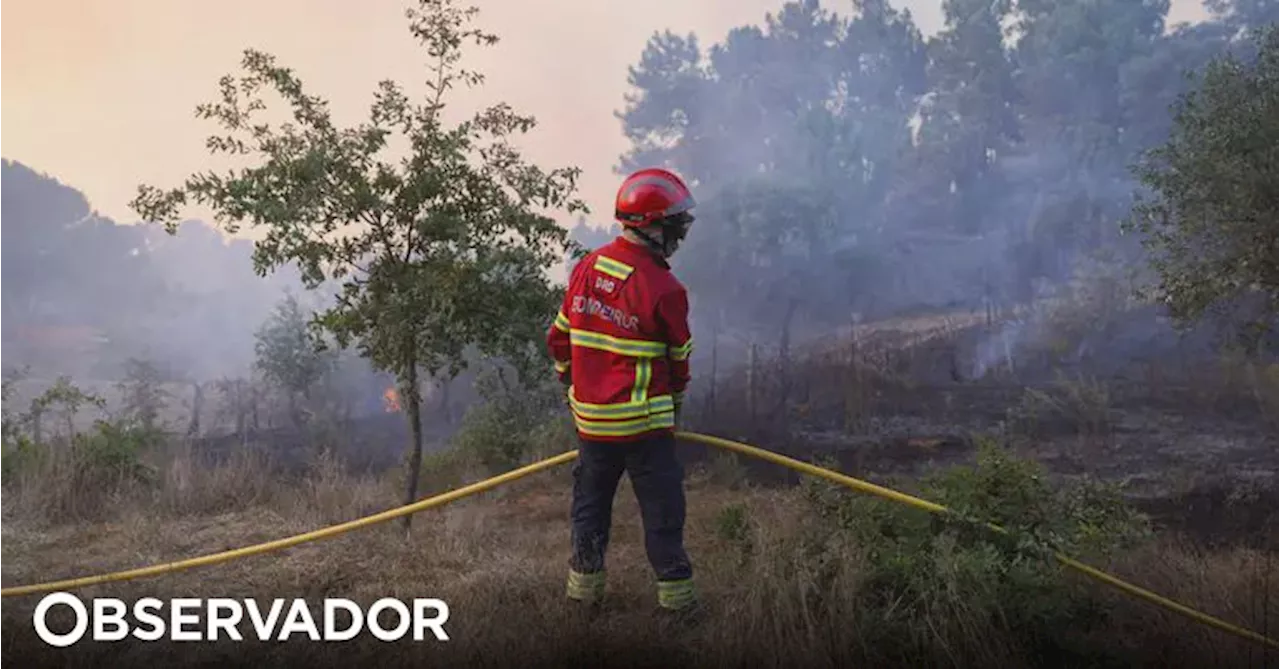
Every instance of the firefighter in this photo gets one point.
(621, 344)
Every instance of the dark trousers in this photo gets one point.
(658, 480)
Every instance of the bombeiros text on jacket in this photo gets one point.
(593, 307)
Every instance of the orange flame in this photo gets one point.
(391, 400)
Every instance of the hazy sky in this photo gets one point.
(102, 94)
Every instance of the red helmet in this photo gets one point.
(652, 195)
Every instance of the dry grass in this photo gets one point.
(782, 590)
(1074, 404)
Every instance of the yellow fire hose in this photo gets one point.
(488, 484)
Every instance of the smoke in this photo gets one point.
(848, 166)
(83, 294)
(998, 348)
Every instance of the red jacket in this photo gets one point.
(622, 342)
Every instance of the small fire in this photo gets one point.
(391, 400)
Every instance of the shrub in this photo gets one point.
(82, 478)
(19, 453)
(113, 448)
(1081, 405)
(512, 424)
(933, 580)
(733, 526)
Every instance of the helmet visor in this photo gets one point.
(678, 225)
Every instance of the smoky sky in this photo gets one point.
(102, 95)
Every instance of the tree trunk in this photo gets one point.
(784, 354)
(412, 406)
(785, 365)
(444, 401)
(240, 405)
(854, 392)
(295, 412)
(711, 392)
(255, 400)
(197, 399)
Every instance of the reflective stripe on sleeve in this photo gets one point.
(682, 351)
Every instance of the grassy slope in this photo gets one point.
(499, 561)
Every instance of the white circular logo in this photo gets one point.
(49, 636)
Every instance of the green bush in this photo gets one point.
(513, 424)
(113, 449)
(733, 526)
(931, 576)
(1080, 405)
(19, 453)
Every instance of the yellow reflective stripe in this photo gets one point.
(682, 351)
(625, 428)
(562, 323)
(636, 348)
(615, 269)
(561, 367)
(620, 410)
(676, 594)
(585, 586)
(644, 372)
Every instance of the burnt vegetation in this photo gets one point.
(1022, 267)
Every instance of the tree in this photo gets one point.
(143, 396)
(1243, 14)
(664, 109)
(443, 250)
(1210, 219)
(590, 237)
(967, 123)
(290, 356)
(69, 398)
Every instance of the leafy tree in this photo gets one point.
(793, 133)
(589, 237)
(8, 385)
(967, 122)
(664, 111)
(69, 399)
(443, 249)
(240, 402)
(142, 392)
(290, 356)
(1244, 14)
(1210, 219)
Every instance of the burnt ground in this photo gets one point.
(1189, 434)
(1202, 477)
(1192, 439)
